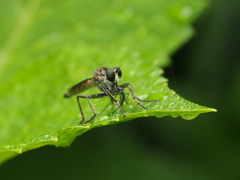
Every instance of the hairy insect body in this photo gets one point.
(106, 80)
(102, 82)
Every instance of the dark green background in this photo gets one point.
(206, 71)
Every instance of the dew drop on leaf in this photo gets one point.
(189, 116)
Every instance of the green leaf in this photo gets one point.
(48, 46)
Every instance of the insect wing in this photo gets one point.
(80, 87)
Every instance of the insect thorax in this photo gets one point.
(101, 81)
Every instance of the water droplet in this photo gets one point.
(165, 97)
(46, 136)
(104, 118)
(156, 107)
(105, 123)
(181, 107)
(143, 96)
(155, 73)
(186, 12)
(189, 116)
(171, 104)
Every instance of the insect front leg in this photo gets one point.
(116, 102)
(88, 97)
(135, 98)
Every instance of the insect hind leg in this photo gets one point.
(88, 97)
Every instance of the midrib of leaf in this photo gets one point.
(24, 20)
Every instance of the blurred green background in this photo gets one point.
(207, 71)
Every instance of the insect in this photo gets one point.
(106, 79)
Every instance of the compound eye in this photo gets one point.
(119, 72)
(110, 75)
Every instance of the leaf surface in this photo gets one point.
(48, 46)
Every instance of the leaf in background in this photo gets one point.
(47, 46)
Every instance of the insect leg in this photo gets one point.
(135, 98)
(116, 101)
(88, 97)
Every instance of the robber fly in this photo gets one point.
(106, 80)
